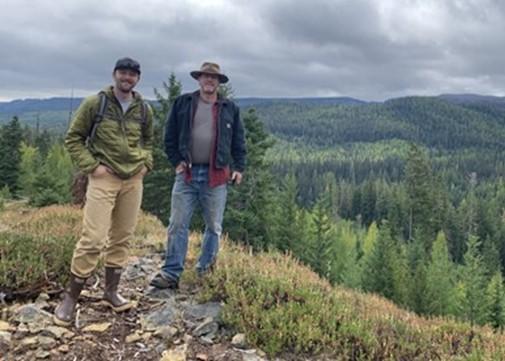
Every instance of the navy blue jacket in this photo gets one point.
(230, 150)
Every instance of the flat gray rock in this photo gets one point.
(31, 313)
(166, 315)
(208, 328)
(202, 311)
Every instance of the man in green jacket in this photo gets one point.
(115, 152)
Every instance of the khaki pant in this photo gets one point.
(110, 217)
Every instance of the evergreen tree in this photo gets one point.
(43, 142)
(226, 91)
(320, 248)
(29, 167)
(379, 272)
(159, 181)
(473, 282)
(370, 238)
(368, 201)
(418, 263)
(11, 136)
(402, 279)
(247, 215)
(490, 258)
(495, 301)
(52, 183)
(287, 232)
(422, 203)
(440, 282)
(353, 267)
(330, 187)
(455, 235)
(398, 214)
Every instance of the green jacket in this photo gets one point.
(118, 142)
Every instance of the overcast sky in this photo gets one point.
(367, 49)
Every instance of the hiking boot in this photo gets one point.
(201, 273)
(162, 282)
(64, 313)
(111, 298)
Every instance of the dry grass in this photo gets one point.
(36, 245)
(65, 221)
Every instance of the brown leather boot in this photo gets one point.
(110, 296)
(64, 313)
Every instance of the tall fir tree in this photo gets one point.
(249, 205)
(379, 273)
(53, 181)
(402, 278)
(368, 202)
(29, 167)
(418, 262)
(495, 301)
(11, 136)
(320, 247)
(158, 183)
(43, 141)
(287, 232)
(346, 264)
(473, 281)
(421, 197)
(440, 280)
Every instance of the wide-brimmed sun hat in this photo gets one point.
(210, 68)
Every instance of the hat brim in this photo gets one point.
(196, 74)
(127, 68)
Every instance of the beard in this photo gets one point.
(209, 88)
(125, 86)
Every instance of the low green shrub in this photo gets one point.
(283, 307)
(4, 195)
(36, 246)
(29, 262)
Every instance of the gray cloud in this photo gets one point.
(363, 48)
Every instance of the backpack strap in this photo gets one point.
(98, 116)
(143, 121)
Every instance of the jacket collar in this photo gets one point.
(110, 94)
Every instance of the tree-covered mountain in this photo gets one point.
(447, 122)
(39, 105)
(53, 113)
(432, 121)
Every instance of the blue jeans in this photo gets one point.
(184, 198)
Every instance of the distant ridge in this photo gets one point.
(19, 106)
(247, 102)
(15, 107)
(471, 98)
(436, 120)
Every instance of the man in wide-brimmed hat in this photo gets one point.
(204, 140)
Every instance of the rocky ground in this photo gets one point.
(165, 325)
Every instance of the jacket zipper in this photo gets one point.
(122, 124)
(192, 111)
(217, 123)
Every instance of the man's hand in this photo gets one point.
(236, 177)
(181, 167)
(100, 171)
(142, 172)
